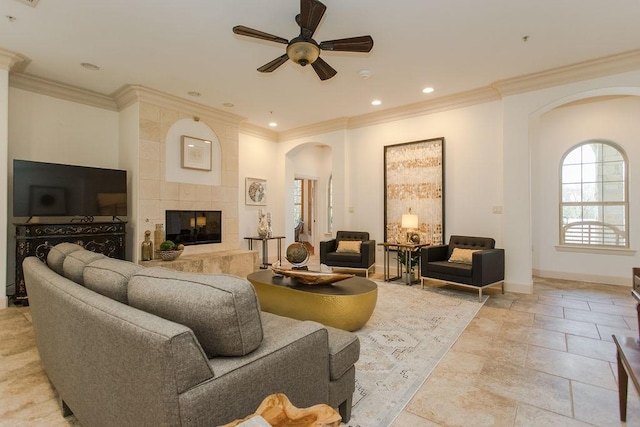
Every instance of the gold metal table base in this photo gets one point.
(347, 304)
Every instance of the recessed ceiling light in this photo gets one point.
(228, 104)
(193, 93)
(89, 66)
(364, 74)
(427, 90)
(376, 102)
(273, 124)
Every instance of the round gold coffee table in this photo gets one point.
(347, 304)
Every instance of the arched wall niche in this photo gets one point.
(174, 171)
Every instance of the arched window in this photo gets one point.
(594, 206)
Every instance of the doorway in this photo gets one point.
(305, 212)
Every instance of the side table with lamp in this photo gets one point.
(407, 251)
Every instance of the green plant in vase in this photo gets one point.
(413, 258)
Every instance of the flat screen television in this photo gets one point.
(193, 227)
(52, 189)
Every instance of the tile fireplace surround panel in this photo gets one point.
(236, 262)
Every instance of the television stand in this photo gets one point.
(36, 239)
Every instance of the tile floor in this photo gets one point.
(545, 359)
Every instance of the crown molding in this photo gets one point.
(443, 103)
(585, 70)
(258, 131)
(314, 129)
(130, 94)
(9, 60)
(62, 91)
(609, 65)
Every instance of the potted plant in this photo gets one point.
(411, 258)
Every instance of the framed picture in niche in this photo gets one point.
(255, 191)
(196, 153)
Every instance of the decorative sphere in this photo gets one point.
(297, 254)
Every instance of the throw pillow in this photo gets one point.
(349, 246)
(463, 256)
(222, 310)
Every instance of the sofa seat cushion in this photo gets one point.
(450, 268)
(222, 310)
(75, 262)
(109, 277)
(57, 254)
(344, 351)
(343, 257)
(279, 333)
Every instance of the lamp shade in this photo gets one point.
(409, 221)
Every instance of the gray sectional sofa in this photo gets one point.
(126, 345)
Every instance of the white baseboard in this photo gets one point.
(518, 288)
(593, 278)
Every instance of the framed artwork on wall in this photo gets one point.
(196, 153)
(414, 183)
(255, 191)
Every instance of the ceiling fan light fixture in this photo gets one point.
(303, 52)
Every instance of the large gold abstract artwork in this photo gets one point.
(414, 180)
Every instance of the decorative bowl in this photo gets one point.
(168, 255)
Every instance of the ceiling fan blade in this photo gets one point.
(269, 67)
(351, 44)
(250, 32)
(323, 70)
(311, 12)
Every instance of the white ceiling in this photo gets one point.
(177, 46)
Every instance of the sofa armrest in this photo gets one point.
(368, 251)
(431, 254)
(327, 246)
(434, 253)
(487, 266)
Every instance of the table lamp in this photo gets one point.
(410, 222)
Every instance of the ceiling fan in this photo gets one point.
(303, 49)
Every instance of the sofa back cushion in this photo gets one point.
(352, 235)
(222, 310)
(469, 242)
(110, 277)
(58, 253)
(75, 262)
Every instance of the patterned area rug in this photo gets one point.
(410, 331)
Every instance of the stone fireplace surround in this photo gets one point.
(152, 194)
